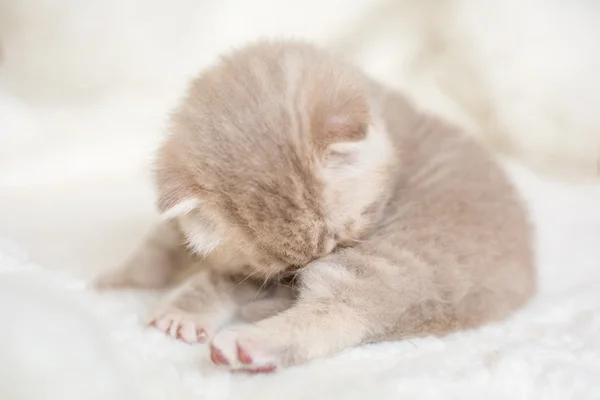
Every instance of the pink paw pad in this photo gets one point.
(217, 356)
(245, 358)
(227, 350)
(243, 355)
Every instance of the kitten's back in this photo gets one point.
(454, 208)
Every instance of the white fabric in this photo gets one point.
(84, 92)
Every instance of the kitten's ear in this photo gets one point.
(341, 124)
(172, 210)
(343, 137)
(177, 193)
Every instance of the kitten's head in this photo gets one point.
(276, 157)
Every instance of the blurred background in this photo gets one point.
(86, 88)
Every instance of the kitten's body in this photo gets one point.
(285, 161)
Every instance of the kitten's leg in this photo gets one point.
(282, 299)
(154, 263)
(344, 300)
(202, 304)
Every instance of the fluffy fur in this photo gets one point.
(285, 162)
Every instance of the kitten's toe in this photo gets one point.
(181, 326)
(223, 348)
(245, 350)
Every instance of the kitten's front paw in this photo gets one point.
(182, 325)
(247, 349)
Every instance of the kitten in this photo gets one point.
(285, 162)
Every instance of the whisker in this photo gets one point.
(293, 280)
(261, 286)
(249, 276)
(283, 285)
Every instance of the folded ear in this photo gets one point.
(344, 140)
(177, 192)
(341, 124)
(180, 208)
(355, 146)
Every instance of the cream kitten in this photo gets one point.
(285, 163)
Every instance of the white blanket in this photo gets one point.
(61, 340)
